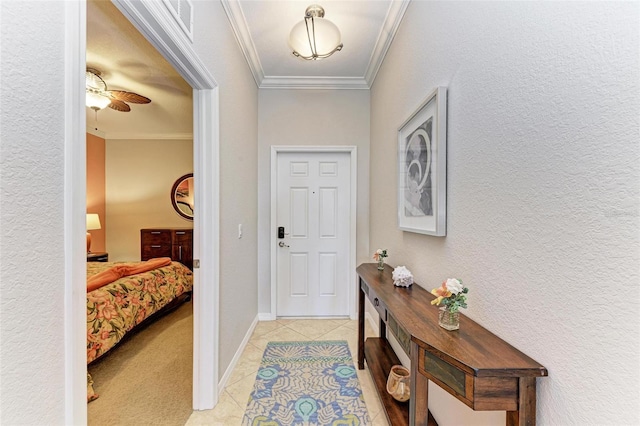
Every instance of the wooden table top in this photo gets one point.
(472, 348)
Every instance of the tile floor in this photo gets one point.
(233, 400)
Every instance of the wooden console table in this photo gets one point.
(472, 364)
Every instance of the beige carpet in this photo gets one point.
(147, 379)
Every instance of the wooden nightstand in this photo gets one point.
(97, 256)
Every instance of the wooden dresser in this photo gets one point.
(478, 368)
(176, 243)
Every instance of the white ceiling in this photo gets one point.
(129, 62)
(367, 28)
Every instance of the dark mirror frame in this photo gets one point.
(174, 201)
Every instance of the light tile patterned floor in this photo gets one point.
(233, 400)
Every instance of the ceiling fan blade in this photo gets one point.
(131, 97)
(119, 105)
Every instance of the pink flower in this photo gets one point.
(119, 299)
(106, 311)
(142, 314)
(379, 254)
(92, 352)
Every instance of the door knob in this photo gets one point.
(281, 244)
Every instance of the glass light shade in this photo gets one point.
(94, 81)
(93, 221)
(318, 32)
(96, 101)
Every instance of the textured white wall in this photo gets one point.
(215, 43)
(309, 118)
(543, 188)
(31, 213)
(139, 178)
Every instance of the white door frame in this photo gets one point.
(353, 156)
(155, 23)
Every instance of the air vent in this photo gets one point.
(182, 11)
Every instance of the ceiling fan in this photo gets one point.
(98, 97)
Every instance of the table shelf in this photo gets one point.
(472, 364)
(380, 358)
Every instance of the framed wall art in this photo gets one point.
(422, 167)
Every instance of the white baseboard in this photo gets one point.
(313, 318)
(266, 317)
(227, 374)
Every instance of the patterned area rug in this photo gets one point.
(306, 384)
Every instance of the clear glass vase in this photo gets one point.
(448, 320)
(380, 263)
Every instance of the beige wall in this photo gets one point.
(543, 194)
(96, 189)
(139, 177)
(216, 45)
(309, 118)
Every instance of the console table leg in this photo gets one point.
(526, 414)
(360, 328)
(418, 406)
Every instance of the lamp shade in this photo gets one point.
(96, 101)
(96, 89)
(93, 221)
(315, 37)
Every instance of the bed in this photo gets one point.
(121, 296)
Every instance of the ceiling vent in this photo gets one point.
(182, 11)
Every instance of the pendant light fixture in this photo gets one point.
(314, 37)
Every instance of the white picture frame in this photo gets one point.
(422, 167)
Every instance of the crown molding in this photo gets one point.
(313, 83)
(387, 33)
(241, 30)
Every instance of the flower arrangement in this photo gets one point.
(452, 294)
(379, 256)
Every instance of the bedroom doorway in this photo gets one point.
(158, 30)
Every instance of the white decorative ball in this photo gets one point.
(402, 277)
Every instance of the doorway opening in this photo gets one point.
(161, 34)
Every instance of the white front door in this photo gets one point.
(313, 207)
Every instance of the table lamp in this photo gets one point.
(93, 222)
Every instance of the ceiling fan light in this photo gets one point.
(315, 37)
(96, 101)
(94, 81)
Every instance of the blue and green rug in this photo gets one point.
(306, 384)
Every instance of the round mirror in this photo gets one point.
(182, 196)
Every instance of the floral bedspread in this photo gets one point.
(116, 308)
